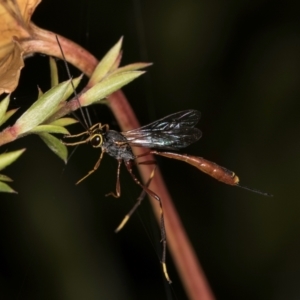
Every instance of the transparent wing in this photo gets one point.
(171, 132)
(186, 118)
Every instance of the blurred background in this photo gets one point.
(238, 62)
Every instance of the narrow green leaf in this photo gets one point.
(53, 72)
(131, 67)
(108, 86)
(5, 178)
(64, 122)
(117, 62)
(9, 157)
(3, 107)
(40, 92)
(106, 63)
(7, 115)
(55, 145)
(70, 89)
(103, 101)
(50, 129)
(41, 109)
(6, 188)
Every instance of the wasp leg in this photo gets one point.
(144, 154)
(76, 135)
(106, 126)
(117, 194)
(88, 132)
(94, 169)
(137, 204)
(76, 143)
(100, 126)
(129, 165)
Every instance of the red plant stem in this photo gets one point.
(45, 42)
(178, 243)
(183, 254)
(7, 135)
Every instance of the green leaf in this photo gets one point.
(70, 89)
(7, 115)
(64, 122)
(5, 178)
(106, 63)
(41, 109)
(6, 188)
(50, 129)
(53, 72)
(131, 67)
(117, 62)
(108, 86)
(3, 107)
(55, 145)
(40, 92)
(9, 157)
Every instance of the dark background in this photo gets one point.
(238, 62)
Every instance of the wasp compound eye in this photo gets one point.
(97, 140)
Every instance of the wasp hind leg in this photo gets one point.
(145, 188)
(136, 205)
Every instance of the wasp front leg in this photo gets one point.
(94, 169)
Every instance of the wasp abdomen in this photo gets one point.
(220, 173)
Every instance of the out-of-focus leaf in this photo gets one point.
(3, 107)
(64, 122)
(106, 63)
(53, 72)
(14, 21)
(6, 188)
(50, 129)
(41, 109)
(108, 86)
(55, 145)
(4, 114)
(8, 115)
(9, 157)
(5, 178)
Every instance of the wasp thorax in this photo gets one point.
(96, 140)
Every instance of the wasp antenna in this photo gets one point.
(254, 190)
(85, 124)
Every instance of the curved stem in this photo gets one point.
(178, 243)
(44, 41)
(183, 254)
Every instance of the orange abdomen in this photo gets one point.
(220, 173)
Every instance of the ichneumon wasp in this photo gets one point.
(172, 132)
